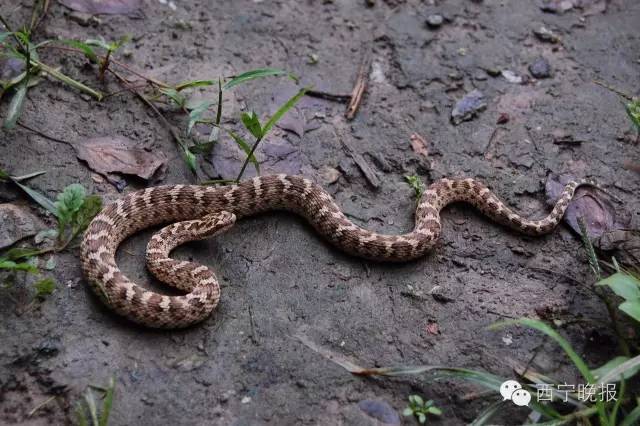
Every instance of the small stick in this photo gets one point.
(328, 96)
(362, 164)
(44, 135)
(39, 406)
(359, 88)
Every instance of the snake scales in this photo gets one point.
(198, 212)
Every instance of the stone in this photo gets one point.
(540, 68)
(17, 222)
(468, 107)
(380, 411)
(435, 21)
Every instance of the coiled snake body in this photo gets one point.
(198, 212)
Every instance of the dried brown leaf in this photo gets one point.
(419, 145)
(117, 154)
(593, 205)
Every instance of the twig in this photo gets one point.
(362, 164)
(359, 88)
(44, 135)
(165, 122)
(36, 18)
(113, 61)
(39, 406)
(613, 89)
(328, 96)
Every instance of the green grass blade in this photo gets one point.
(632, 418)
(43, 201)
(628, 367)
(68, 80)
(23, 177)
(484, 417)
(246, 148)
(16, 105)
(84, 47)
(283, 110)
(194, 83)
(91, 407)
(108, 403)
(257, 73)
(564, 344)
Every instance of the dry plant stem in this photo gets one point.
(44, 135)
(359, 88)
(246, 160)
(613, 89)
(328, 96)
(113, 61)
(150, 104)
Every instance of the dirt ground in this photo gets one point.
(281, 284)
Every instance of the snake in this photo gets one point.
(195, 212)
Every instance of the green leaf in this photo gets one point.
(98, 43)
(564, 344)
(43, 201)
(69, 201)
(246, 148)
(45, 287)
(417, 399)
(633, 111)
(174, 95)
(189, 158)
(202, 148)
(606, 369)
(257, 73)
(624, 285)
(196, 114)
(194, 83)
(435, 411)
(16, 105)
(421, 417)
(90, 207)
(3, 175)
(86, 49)
(10, 265)
(631, 308)
(252, 123)
(21, 253)
(416, 184)
(283, 110)
(407, 412)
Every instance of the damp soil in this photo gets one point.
(282, 285)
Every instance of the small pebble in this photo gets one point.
(435, 21)
(540, 68)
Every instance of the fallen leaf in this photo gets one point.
(593, 205)
(117, 154)
(106, 7)
(17, 222)
(419, 145)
